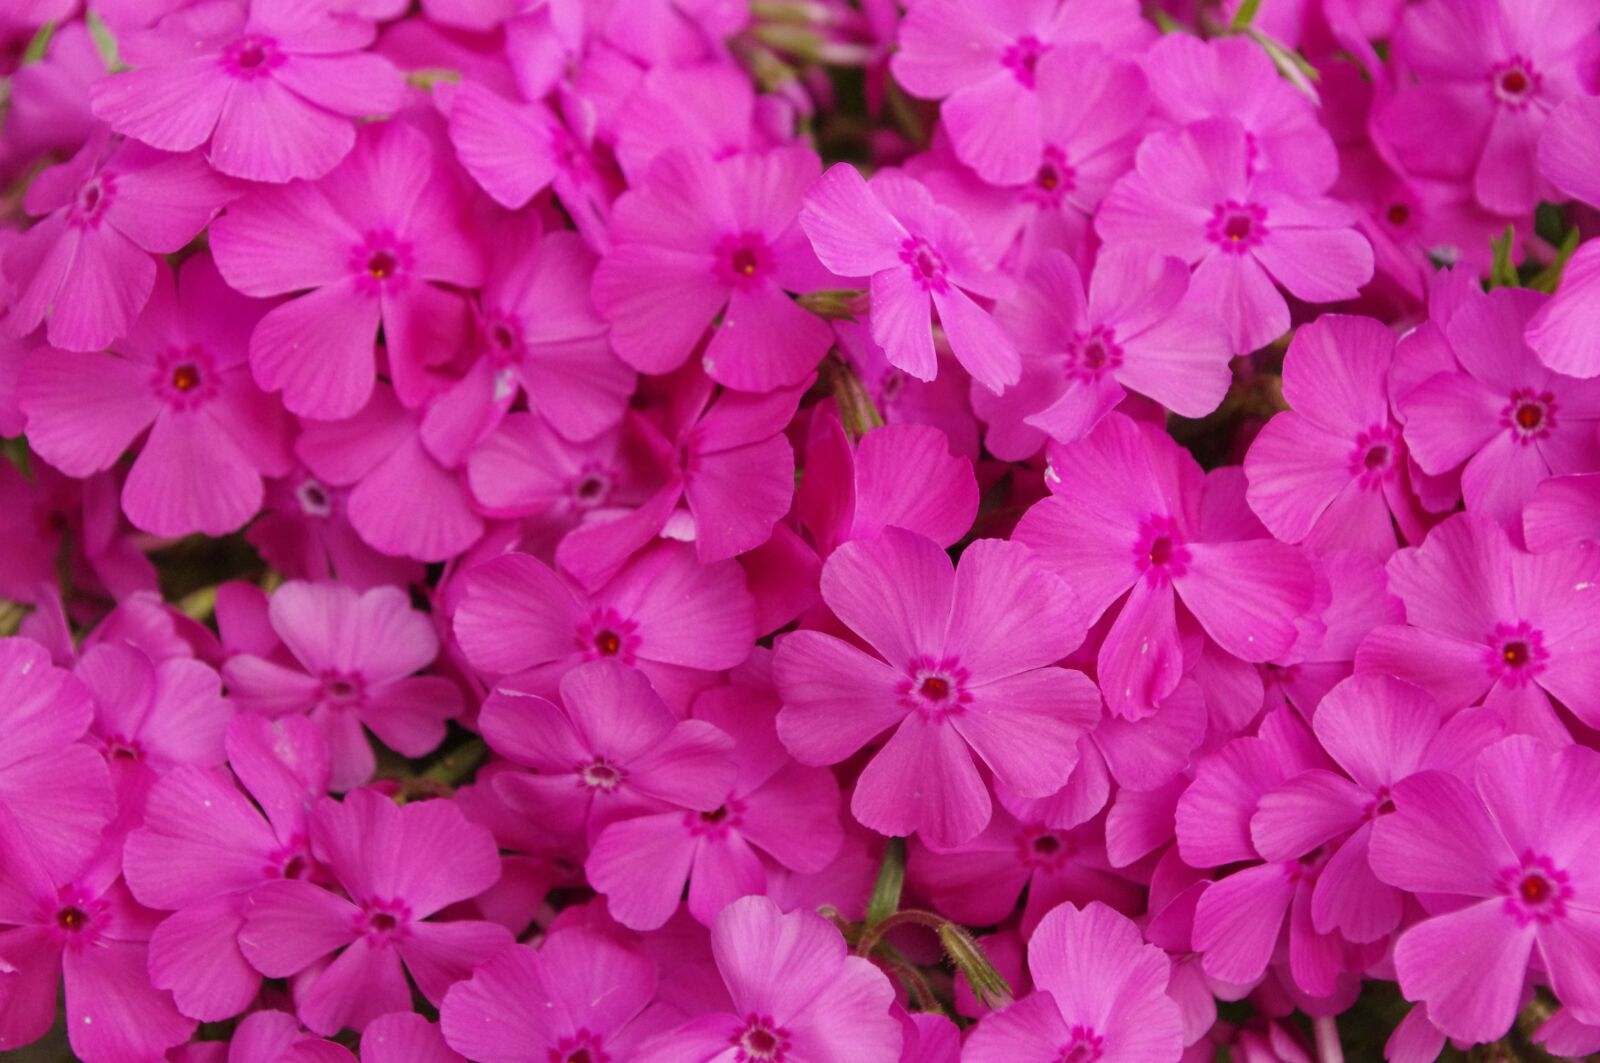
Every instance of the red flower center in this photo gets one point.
(72, 919)
(608, 643)
(186, 377)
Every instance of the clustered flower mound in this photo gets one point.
(799, 531)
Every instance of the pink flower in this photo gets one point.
(579, 992)
(794, 990)
(203, 846)
(1100, 993)
(401, 500)
(776, 812)
(965, 667)
(1512, 861)
(81, 928)
(304, 531)
(1563, 330)
(1196, 195)
(916, 254)
(663, 613)
(404, 1037)
(1331, 472)
(611, 749)
(703, 240)
(396, 867)
(1511, 420)
(1486, 620)
(377, 233)
(1488, 73)
(1134, 329)
(1125, 518)
(181, 374)
(350, 662)
(1563, 510)
(271, 84)
(88, 264)
(55, 791)
(1379, 730)
(990, 67)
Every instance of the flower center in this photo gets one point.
(1022, 58)
(1516, 653)
(72, 919)
(1374, 456)
(934, 689)
(1054, 179)
(1514, 83)
(382, 263)
(249, 58)
(384, 921)
(186, 377)
(1085, 1047)
(313, 498)
(1529, 414)
(716, 823)
(601, 775)
(1237, 227)
(1093, 354)
(608, 643)
(1398, 214)
(607, 634)
(927, 267)
(1535, 890)
(342, 691)
(742, 259)
(581, 1047)
(92, 200)
(1159, 552)
(761, 1041)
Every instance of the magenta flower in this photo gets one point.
(181, 374)
(795, 993)
(663, 613)
(965, 666)
(396, 867)
(377, 233)
(536, 335)
(526, 469)
(403, 1037)
(270, 84)
(349, 663)
(55, 791)
(1487, 621)
(1515, 851)
(401, 500)
(1379, 730)
(580, 992)
(203, 846)
(1488, 74)
(916, 254)
(989, 67)
(776, 812)
(1502, 413)
(706, 242)
(81, 928)
(88, 264)
(1134, 329)
(1562, 511)
(304, 532)
(1331, 472)
(1100, 994)
(1124, 518)
(1563, 330)
(1195, 194)
(611, 749)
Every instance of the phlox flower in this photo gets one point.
(1510, 862)
(1134, 329)
(990, 66)
(917, 255)
(663, 613)
(1563, 330)
(1125, 518)
(271, 85)
(304, 531)
(1487, 73)
(1331, 471)
(181, 374)
(963, 665)
(203, 846)
(706, 242)
(610, 749)
(1100, 993)
(774, 812)
(579, 992)
(1196, 194)
(376, 237)
(795, 993)
(88, 265)
(1499, 414)
(350, 662)
(1379, 731)
(1563, 510)
(79, 929)
(526, 469)
(396, 866)
(55, 791)
(398, 497)
(1486, 621)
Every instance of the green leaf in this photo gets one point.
(1243, 17)
(1503, 274)
(1549, 279)
(40, 44)
(891, 880)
